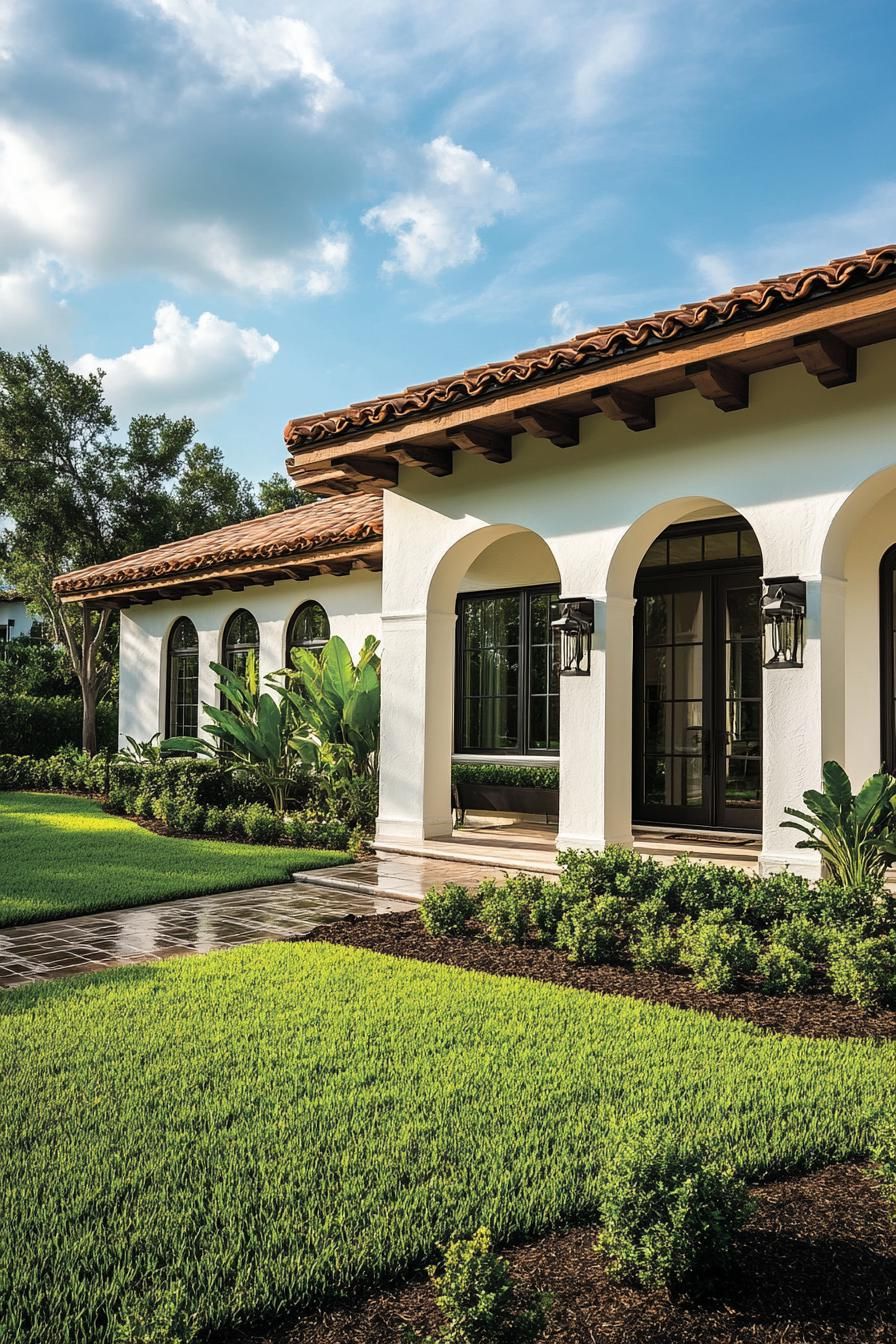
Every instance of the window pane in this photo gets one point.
(688, 721)
(689, 672)
(720, 546)
(749, 545)
(309, 628)
(688, 617)
(685, 550)
(657, 554)
(657, 618)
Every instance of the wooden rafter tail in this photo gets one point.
(435, 461)
(484, 442)
(364, 471)
(728, 388)
(636, 411)
(827, 358)
(560, 428)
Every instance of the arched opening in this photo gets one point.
(240, 642)
(697, 670)
(308, 629)
(182, 710)
(860, 549)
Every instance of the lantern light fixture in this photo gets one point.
(783, 622)
(575, 626)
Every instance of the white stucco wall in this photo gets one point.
(18, 613)
(869, 541)
(803, 464)
(352, 603)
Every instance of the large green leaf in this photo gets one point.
(836, 783)
(338, 669)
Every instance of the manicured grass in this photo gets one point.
(209, 1141)
(66, 856)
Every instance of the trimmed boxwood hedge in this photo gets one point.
(506, 776)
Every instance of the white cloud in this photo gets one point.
(90, 224)
(869, 221)
(189, 366)
(30, 309)
(255, 53)
(602, 65)
(436, 226)
(565, 321)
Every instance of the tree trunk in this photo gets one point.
(88, 717)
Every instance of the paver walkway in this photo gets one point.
(95, 942)
(405, 875)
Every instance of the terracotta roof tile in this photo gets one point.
(301, 531)
(604, 344)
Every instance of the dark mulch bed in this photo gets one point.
(813, 1014)
(816, 1264)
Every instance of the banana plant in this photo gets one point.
(855, 834)
(337, 706)
(253, 732)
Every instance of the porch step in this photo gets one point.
(454, 851)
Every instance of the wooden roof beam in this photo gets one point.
(367, 471)
(436, 461)
(487, 443)
(727, 387)
(636, 411)
(561, 429)
(827, 358)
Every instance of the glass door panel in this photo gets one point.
(671, 781)
(740, 797)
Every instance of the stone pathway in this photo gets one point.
(58, 947)
(404, 875)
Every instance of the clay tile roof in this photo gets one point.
(602, 345)
(301, 531)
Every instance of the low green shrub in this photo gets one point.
(616, 871)
(590, 932)
(547, 903)
(215, 821)
(261, 825)
(783, 970)
(863, 969)
(504, 910)
(479, 1301)
(445, 910)
(506, 776)
(717, 948)
(184, 817)
(308, 830)
(693, 888)
(667, 1213)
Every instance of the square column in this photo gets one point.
(803, 710)
(596, 736)
(417, 723)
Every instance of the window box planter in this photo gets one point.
(467, 795)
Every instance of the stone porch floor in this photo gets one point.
(53, 948)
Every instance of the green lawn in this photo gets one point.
(66, 856)
(208, 1141)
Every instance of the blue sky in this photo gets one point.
(254, 210)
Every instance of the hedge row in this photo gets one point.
(189, 796)
(41, 725)
(506, 776)
(720, 924)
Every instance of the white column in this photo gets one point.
(416, 726)
(803, 724)
(596, 736)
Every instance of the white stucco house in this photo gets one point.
(673, 473)
(15, 619)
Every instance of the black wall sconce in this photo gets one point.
(575, 626)
(783, 622)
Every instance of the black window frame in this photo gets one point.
(524, 594)
(887, 659)
(238, 646)
(314, 645)
(173, 656)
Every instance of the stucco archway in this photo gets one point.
(418, 676)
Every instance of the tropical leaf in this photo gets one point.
(836, 784)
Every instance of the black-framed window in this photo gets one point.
(182, 717)
(715, 541)
(507, 675)
(308, 629)
(888, 657)
(240, 641)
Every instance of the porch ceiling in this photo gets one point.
(817, 317)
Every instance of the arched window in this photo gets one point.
(888, 658)
(308, 629)
(240, 640)
(182, 717)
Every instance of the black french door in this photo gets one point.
(698, 699)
